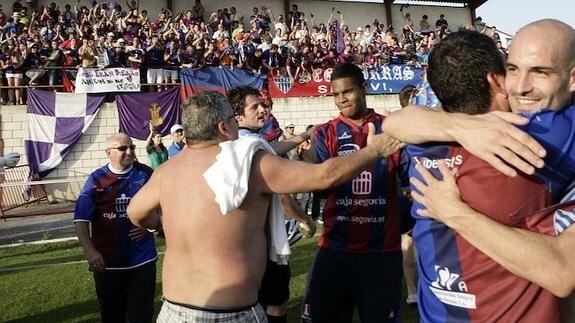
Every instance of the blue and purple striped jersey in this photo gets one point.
(359, 216)
(457, 282)
(103, 202)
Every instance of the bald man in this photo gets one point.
(121, 256)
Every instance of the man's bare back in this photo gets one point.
(214, 260)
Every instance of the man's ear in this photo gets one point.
(225, 131)
(496, 83)
(572, 80)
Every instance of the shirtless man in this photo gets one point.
(214, 264)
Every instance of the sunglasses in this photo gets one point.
(124, 147)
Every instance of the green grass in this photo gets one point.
(51, 283)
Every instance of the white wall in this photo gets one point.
(456, 17)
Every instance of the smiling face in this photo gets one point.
(120, 159)
(254, 114)
(540, 69)
(349, 98)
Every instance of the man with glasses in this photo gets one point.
(121, 256)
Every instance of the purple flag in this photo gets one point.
(339, 44)
(137, 110)
(56, 121)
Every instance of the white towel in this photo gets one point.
(228, 178)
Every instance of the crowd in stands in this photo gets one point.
(36, 43)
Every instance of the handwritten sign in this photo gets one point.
(93, 80)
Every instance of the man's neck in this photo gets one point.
(250, 129)
(359, 120)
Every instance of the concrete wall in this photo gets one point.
(88, 154)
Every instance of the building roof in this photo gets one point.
(473, 4)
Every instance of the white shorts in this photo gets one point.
(171, 75)
(16, 76)
(155, 75)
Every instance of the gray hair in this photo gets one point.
(201, 114)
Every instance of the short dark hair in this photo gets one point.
(350, 70)
(237, 97)
(457, 71)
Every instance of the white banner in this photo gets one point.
(94, 80)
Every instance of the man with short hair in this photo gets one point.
(214, 264)
(458, 267)
(274, 290)
(121, 255)
(177, 132)
(358, 262)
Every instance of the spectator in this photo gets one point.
(256, 63)
(220, 32)
(189, 58)
(157, 152)
(88, 54)
(172, 63)
(211, 56)
(441, 23)
(288, 134)
(32, 63)
(198, 11)
(136, 54)
(236, 19)
(155, 61)
(177, 132)
(52, 61)
(117, 56)
(14, 75)
(424, 26)
(121, 256)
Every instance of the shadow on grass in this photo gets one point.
(79, 312)
(32, 250)
(31, 265)
(86, 311)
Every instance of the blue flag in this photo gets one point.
(217, 79)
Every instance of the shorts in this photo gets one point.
(15, 75)
(155, 75)
(338, 281)
(174, 313)
(275, 284)
(171, 74)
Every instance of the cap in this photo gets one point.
(289, 124)
(176, 127)
(111, 34)
(121, 40)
